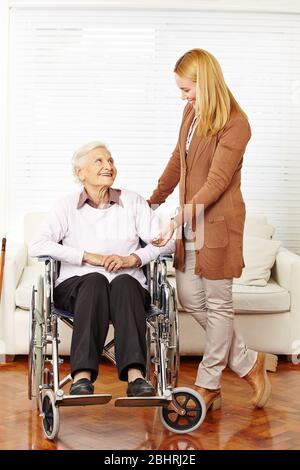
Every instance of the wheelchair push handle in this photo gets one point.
(44, 258)
(165, 257)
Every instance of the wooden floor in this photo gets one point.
(236, 426)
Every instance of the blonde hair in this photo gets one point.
(214, 100)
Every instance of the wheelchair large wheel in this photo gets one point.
(36, 347)
(50, 415)
(194, 405)
(173, 357)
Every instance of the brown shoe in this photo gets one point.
(212, 398)
(257, 378)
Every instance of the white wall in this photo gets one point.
(291, 6)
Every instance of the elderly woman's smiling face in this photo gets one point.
(97, 168)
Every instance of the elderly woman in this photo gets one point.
(96, 235)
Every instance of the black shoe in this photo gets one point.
(140, 388)
(82, 387)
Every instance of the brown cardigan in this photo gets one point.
(210, 174)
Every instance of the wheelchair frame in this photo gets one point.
(181, 410)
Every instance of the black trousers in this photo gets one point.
(95, 302)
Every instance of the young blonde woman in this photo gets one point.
(207, 163)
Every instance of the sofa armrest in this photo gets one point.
(15, 261)
(286, 268)
(286, 273)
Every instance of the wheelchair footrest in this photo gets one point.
(84, 400)
(141, 401)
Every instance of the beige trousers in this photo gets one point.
(210, 303)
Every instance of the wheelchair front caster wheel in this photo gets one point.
(50, 415)
(195, 410)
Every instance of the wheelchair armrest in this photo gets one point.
(56, 265)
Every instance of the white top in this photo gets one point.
(114, 230)
(188, 232)
(190, 134)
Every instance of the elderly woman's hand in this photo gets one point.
(93, 259)
(113, 263)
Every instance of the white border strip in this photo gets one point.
(4, 114)
(276, 6)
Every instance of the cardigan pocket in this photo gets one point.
(216, 232)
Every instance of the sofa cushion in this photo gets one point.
(257, 226)
(259, 256)
(24, 289)
(256, 299)
(271, 298)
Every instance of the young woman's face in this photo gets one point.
(188, 89)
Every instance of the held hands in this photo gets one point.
(111, 263)
(165, 236)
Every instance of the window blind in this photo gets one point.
(98, 74)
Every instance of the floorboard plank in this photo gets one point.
(236, 426)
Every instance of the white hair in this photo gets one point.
(83, 151)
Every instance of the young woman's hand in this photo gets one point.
(165, 236)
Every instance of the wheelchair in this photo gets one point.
(181, 409)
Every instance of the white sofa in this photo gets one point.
(268, 317)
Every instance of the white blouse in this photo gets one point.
(188, 232)
(190, 134)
